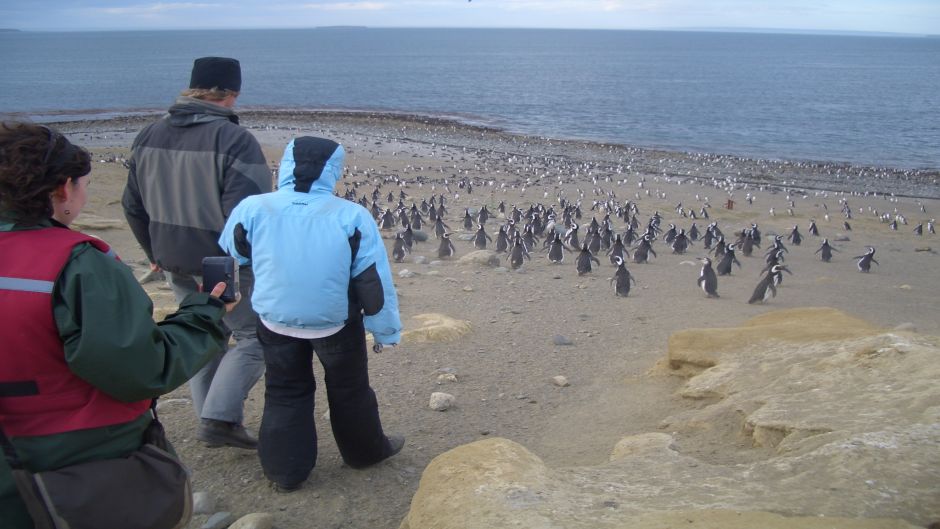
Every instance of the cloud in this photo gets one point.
(155, 9)
(347, 6)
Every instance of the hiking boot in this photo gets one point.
(220, 433)
(396, 443)
(285, 489)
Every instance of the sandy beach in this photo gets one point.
(544, 320)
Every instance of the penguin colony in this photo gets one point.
(530, 215)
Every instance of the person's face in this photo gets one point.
(69, 199)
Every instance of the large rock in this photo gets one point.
(435, 328)
(844, 420)
(481, 258)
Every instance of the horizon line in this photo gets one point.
(689, 29)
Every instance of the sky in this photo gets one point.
(892, 16)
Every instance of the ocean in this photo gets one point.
(855, 99)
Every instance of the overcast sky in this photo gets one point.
(900, 16)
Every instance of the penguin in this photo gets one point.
(865, 261)
(440, 227)
(556, 249)
(480, 238)
(622, 279)
(417, 220)
(571, 236)
(720, 247)
(593, 241)
(680, 243)
(826, 250)
(748, 242)
(399, 249)
(724, 266)
(483, 215)
(467, 220)
(846, 226)
(919, 230)
(409, 236)
(518, 253)
(617, 251)
(584, 260)
(446, 249)
(707, 279)
(813, 230)
(643, 249)
(795, 237)
(670, 234)
(388, 220)
(765, 288)
(693, 233)
(502, 240)
(778, 277)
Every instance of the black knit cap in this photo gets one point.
(216, 72)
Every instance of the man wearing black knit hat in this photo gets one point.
(186, 173)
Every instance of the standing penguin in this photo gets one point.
(724, 266)
(518, 253)
(865, 261)
(617, 250)
(813, 230)
(400, 248)
(571, 236)
(707, 279)
(826, 250)
(440, 227)
(584, 260)
(467, 220)
(556, 249)
(502, 240)
(446, 249)
(622, 279)
(795, 237)
(765, 288)
(480, 238)
(681, 242)
(643, 249)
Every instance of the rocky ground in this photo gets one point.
(529, 325)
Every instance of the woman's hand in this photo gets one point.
(219, 289)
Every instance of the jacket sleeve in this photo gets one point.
(235, 238)
(246, 172)
(372, 283)
(105, 321)
(134, 211)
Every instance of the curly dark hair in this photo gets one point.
(34, 160)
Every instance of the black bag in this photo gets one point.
(149, 489)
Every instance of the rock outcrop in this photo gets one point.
(839, 422)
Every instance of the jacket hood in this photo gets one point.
(188, 111)
(310, 164)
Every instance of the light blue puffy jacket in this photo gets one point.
(317, 258)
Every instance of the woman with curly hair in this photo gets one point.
(81, 358)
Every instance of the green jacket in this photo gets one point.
(102, 312)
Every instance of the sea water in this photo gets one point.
(864, 100)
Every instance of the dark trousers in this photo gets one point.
(287, 443)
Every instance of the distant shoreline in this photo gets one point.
(808, 175)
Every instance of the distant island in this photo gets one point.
(9, 30)
(342, 27)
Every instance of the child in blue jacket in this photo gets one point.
(322, 279)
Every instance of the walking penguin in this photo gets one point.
(707, 279)
(446, 249)
(826, 250)
(865, 261)
(584, 260)
(765, 288)
(622, 279)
